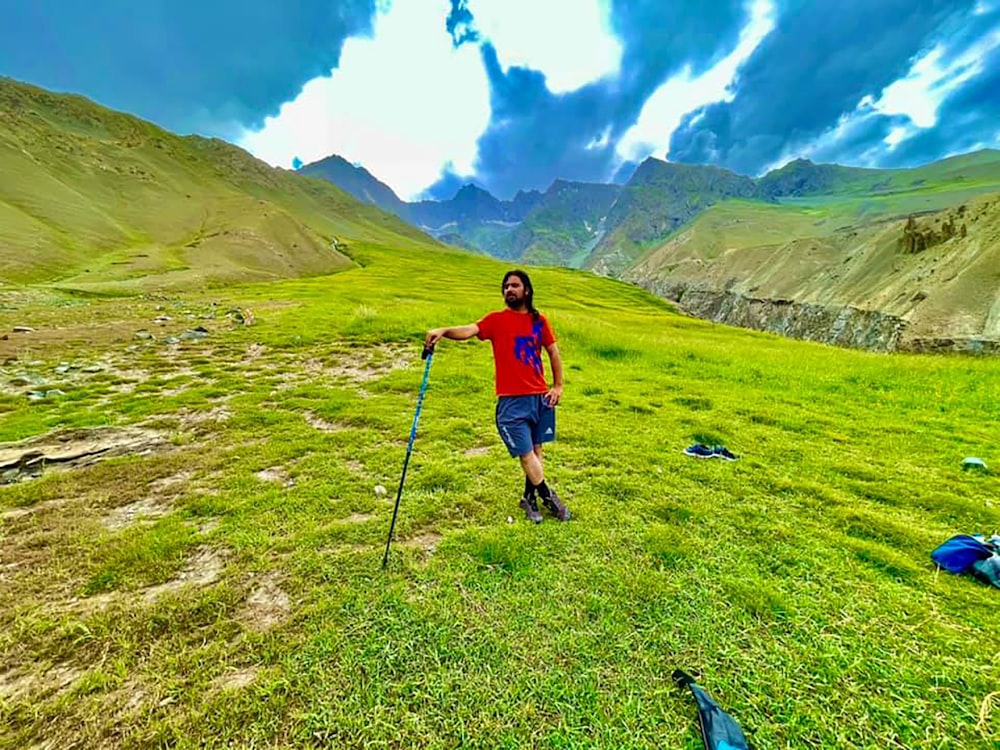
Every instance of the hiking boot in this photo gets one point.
(555, 506)
(530, 508)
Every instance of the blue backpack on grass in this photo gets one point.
(967, 554)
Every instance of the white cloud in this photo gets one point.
(663, 111)
(931, 79)
(403, 103)
(570, 41)
(897, 135)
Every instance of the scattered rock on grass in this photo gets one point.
(973, 464)
(194, 334)
(27, 378)
(42, 395)
(78, 447)
(241, 317)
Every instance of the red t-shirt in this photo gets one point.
(517, 340)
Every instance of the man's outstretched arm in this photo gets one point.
(457, 333)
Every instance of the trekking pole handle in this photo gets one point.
(428, 351)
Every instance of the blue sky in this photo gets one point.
(512, 94)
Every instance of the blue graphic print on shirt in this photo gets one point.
(528, 349)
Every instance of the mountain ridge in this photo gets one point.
(658, 198)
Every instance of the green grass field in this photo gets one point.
(224, 589)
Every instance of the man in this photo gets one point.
(525, 413)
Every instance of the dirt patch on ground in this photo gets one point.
(275, 474)
(481, 451)
(362, 365)
(322, 425)
(170, 484)
(15, 684)
(164, 492)
(56, 340)
(202, 569)
(236, 679)
(268, 605)
(427, 541)
(128, 379)
(70, 448)
(15, 513)
(208, 525)
(8, 571)
(147, 509)
(85, 605)
(357, 518)
(125, 701)
(216, 415)
(356, 466)
(181, 380)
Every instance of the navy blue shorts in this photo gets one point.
(524, 422)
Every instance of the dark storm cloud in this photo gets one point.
(211, 66)
(660, 37)
(460, 24)
(536, 136)
(815, 67)
(445, 188)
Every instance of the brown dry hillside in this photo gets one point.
(922, 281)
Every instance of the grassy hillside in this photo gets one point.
(92, 197)
(803, 178)
(659, 198)
(565, 225)
(221, 586)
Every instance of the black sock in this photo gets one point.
(543, 490)
(529, 488)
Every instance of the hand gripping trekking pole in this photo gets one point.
(428, 355)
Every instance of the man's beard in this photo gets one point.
(514, 302)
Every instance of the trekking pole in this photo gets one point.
(427, 355)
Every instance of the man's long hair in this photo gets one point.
(529, 290)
